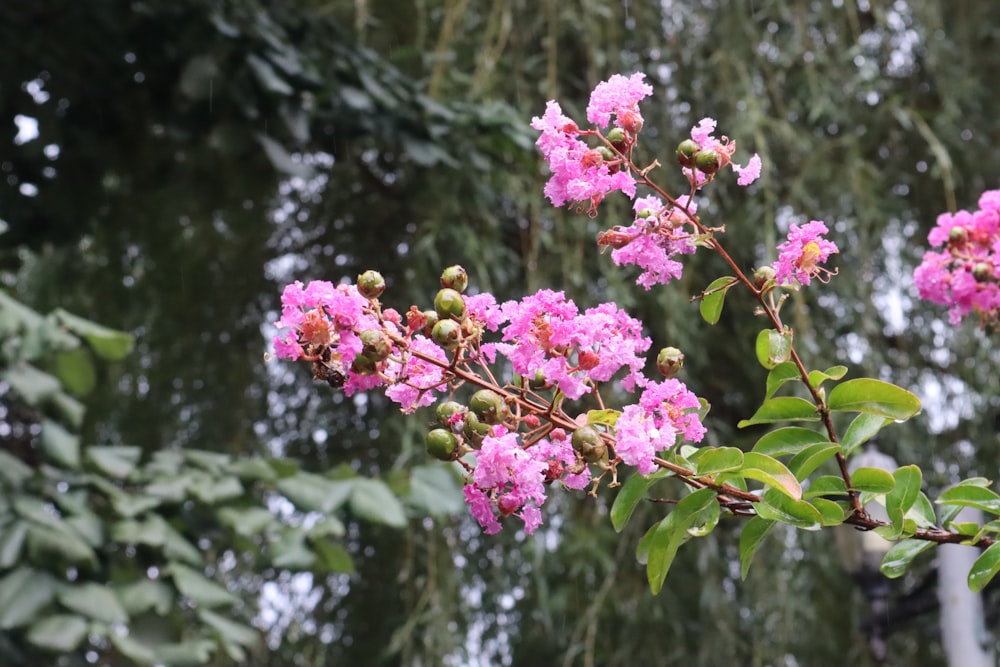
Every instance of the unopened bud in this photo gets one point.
(616, 135)
(489, 406)
(589, 444)
(447, 334)
(591, 158)
(708, 161)
(957, 236)
(631, 121)
(763, 276)
(669, 361)
(375, 345)
(371, 284)
(686, 150)
(441, 444)
(449, 304)
(982, 272)
(455, 277)
(607, 153)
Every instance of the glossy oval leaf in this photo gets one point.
(817, 378)
(971, 496)
(827, 485)
(668, 535)
(833, 513)
(900, 555)
(605, 417)
(773, 347)
(872, 480)
(782, 409)
(861, 430)
(775, 506)
(713, 460)
(907, 489)
(752, 536)
(771, 472)
(985, 568)
(788, 440)
(60, 633)
(371, 499)
(714, 297)
(629, 495)
(874, 397)
(805, 462)
(778, 376)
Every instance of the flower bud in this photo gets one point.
(686, 150)
(645, 213)
(363, 366)
(455, 277)
(708, 161)
(669, 361)
(445, 411)
(441, 444)
(616, 135)
(763, 276)
(371, 284)
(489, 406)
(982, 272)
(447, 334)
(449, 304)
(375, 345)
(957, 236)
(607, 153)
(592, 158)
(589, 444)
(474, 429)
(430, 318)
(631, 121)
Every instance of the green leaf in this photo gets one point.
(212, 490)
(606, 417)
(776, 506)
(872, 480)
(314, 493)
(900, 555)
(107, 343)
(773, 347)
(922, 511)
(333, 557)
(434, 490)
(805, 462)
(61, 542)
(330, 526)
(907, 489)
(670, 533)
(714, 297)
(12, 470)
(248, 522)
(33, 385)
(93, 600)
(61, 633)
(779, 375)
(788, 440)
(713, 460)
(190, 652)
(290, 552)
(874, 397)
(629, 495)
(371, 499)
(782, 409)
(861, 430)
(59, 445)
(24, 592)
(198, 587)
(117, 462)
(752, 536)
(75, 371)
(771, 472)
(143, 595)
(833, 513)
(11, 542)
(970, 496)
(230, 631)
(827, 485)
(985, 568)
(253, 469)
(817, 378)
(132, 649)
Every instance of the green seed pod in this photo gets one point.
(489, 406)
(982, 272)
(669, 361)
(707, 161)
(447, 410)
(375, 345)
(432, 319)
(447, 334)
(449, 304)
(363, 365)
(616, 135)
(455, 277)
(475, 430)
(371, 284)
(589, 444)
(441, 444)
(686, 150)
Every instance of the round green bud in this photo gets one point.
(707, 161)
(455, 277)
(589, 444)
(489, 406)
(616, 135)
(447, 334)
(449, 304)
(362, 365)
(432, 318)
(371, 284)
(669, 361)
(475, 430)
(375, 345)
(441, 444)
(606, 153)
(447, 410)
(686, 150)
(957, 236)
(982, 272)
(646, 213)
(763, 276)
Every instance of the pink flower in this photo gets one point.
(802, 253)
(321, 316)
(507, 478)
(652, 241)
(703, 135)
(620, 96)
(666, 412)
(415, 382)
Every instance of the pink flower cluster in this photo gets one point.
(547, 335)
(619, 96)
(653, 240)
(963, 274)
(703, 135)
(665, 414)
(800, 255)
(510, 479)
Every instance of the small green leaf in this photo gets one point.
(199, 588)
(13, 471)
(59, 445)
(900, 555)
(132, 649)
(985, 568)
(24, 592)
(75, 370)
(810, 458)
(144, 595)
(773, 347)
(668, 535)
(922, 511)
(872, 480)
(117, 462)
(827, 485)
(434, 490)
(333, 557)
(188, 653)
(94, 600)
(315, 493)
(107, 343)
(833, 513)
(61, 633)
(970, 496)
(31, 384)
(606, 417)
(371, 499)
(779, 375)
(290, 551)
(776, 506)
(11, 542)
(752, 536)
(788, 440)
(771, 472)
(212, 490)
(713, 460)
(861, 430)
(230, 631)
(782, 409)
(874, 397)
(817, 378)
(629, 495)
(249, 521)
(907, 489)
(714, 297)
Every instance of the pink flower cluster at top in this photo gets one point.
(800, 255)
(511, 478)
(324, 322)
(666, 411)
(547, 335)
(703, 135)
(963, 274)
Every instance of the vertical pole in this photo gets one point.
(964, 636)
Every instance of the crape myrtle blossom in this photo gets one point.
(800, 255)
(414, 382)
(666, 412)
(547, 335)
(619, 96)
(653, 240)
(963, 273)
(703, 135)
